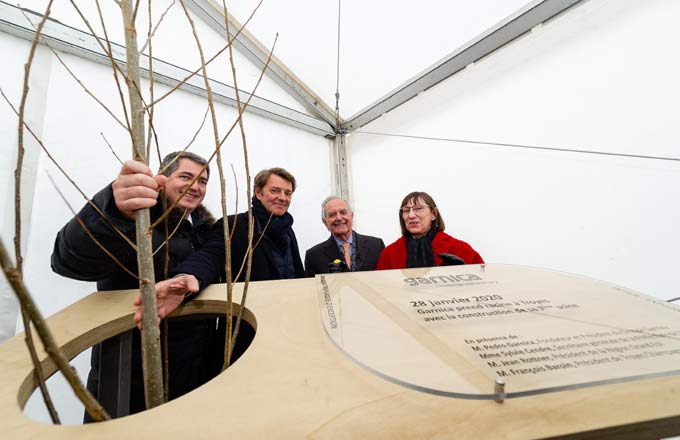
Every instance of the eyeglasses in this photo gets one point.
(417, 209)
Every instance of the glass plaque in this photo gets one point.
(462, 330)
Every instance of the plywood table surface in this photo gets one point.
(293, 382)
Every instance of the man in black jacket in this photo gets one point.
(77, 256)
(276, 255)
(345, 250)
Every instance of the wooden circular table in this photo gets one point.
(294, 382)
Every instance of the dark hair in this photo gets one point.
(414, 196)
(262, 177)
(170, 162)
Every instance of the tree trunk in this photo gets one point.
(151, 351)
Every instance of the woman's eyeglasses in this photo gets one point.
(417, 209)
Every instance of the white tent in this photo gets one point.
(536, 126)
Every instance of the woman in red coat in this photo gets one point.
(423, 237)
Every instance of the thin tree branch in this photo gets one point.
(109, 52)
(259, 80)
(249, 256)
(166, 261)
(166, 270)
(166, 362)
(223, 192)
(153, 32)
(115, 68)
(167, 240)
(250, 218)
(153, 135)
(227, 244)
(233, 173)
(53, 350)
(20, 139)
(247, 279)
(111, 148)
(151, 83)
(193, 139)
(151, 351)
(198, 131)
(84, 87)
(73, 75)
(259, 239)
(211, 104)
(88, 232)
(225, 225)
(65, 174)
(103, 248)
(218, 53)
(136, 8)
(37, 371)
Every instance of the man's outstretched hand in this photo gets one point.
(169, 295)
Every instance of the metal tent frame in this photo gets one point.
(322, 119)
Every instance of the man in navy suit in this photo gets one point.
(345, 250)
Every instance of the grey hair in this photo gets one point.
(170, 162)
(328, 199)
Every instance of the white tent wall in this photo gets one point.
(601, 77)
(174, 27)
(70, 122)
(8, 132)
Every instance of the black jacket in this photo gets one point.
(208, 265)
(77, 256)
(318, 257)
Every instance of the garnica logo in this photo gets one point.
(442, 279)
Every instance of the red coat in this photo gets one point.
(394, 255)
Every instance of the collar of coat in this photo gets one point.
(199, 216)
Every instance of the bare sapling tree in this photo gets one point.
(136, 114)
(51, 347)
(232, 331)
(37, 371)
(152, 365)
(223, 200)
(29, 311)
(14, 274)
(231, 338)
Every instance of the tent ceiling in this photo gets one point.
(212, 14)
(499, 35)
(385, 54)
(380, 46)
(80, 43)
